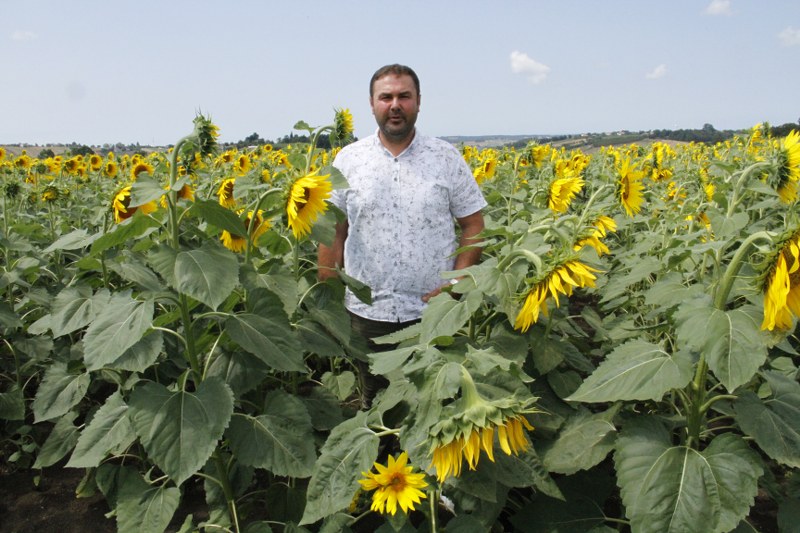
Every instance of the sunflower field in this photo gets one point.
(623, 358)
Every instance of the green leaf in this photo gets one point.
(73, 240)
(324, 409)
(280, 440)
(637, 370)
(445, 315)
(141, 355)
(361, 290)
(145, 189)
(242, 374)
(732, 341)
(59, 442)
(220, 217)
(316, 339)
(618, 284)
(180, 429)
(526, 470)
(75, 307)
(350, 449)
(341, 384)
(8, 317)
(208, 274)
(134, 227)
(584, 441)
(130, 267)
(59, 392)
(109, 429)
(669, 488)
(162, 258)
(775, 422)
(12, 404)
(142, 507)
(271, 339)
(123, 322)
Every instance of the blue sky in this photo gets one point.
(96, 72)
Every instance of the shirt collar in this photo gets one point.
(408, 149)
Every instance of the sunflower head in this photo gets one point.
(786, 175)
(468, 426)
(307, 200)
(207, 133)
(781, 284)
(631, 190)
(255, 225)
(122, 208)
(141, 167)
(50, 194)
(342, 132)
(563, 190)
(225, 193)
(394, 484)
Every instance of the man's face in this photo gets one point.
(395, 104)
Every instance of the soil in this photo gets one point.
(50, 507)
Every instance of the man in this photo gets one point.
(405, 191)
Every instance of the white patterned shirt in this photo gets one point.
(400, 212)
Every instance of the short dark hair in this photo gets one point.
(397, 70)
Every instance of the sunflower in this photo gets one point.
(563, 190)
(225, 193)
(141, 167)
(342, 126)
(242, 164)
(50, 194)
(122, 208)
(307, 200)
(23, 161)
(95, 162)
(785, 182)
(238, 243)
(560, 280)
(468, 426)
(207, 133)
(539, 153)
(631, 190)
(782, 287)
(111, 168)
(395, 483)
(2, 153)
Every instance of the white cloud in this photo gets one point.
(658, 72)
(521, 63)
(23, 35)
(719, 7)
(789, 37)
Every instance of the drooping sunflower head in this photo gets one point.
(781, 285)
(122, 208)
(560, 279)
(394, 484)
(307, 200)
(342, 127)
(255, 225)
(468, 425)
(631, 190)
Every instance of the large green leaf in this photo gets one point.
(637, 370)
(584, 441)
(668, 488)
(140, 356)
(123, 322)
(774, 423)
(8, 317)
(526, 470)
(732, 341)
(59, 442)
(142, 507)
(180, 429)
(145, 189)
(271, 339)
(123, 233)
(281, 440)
(445, 315)
(12, 404)
(60, 390)
(73, 240)
(75, 307)
(110, 428)
(220, 217)
(208, 274)
(350, 449)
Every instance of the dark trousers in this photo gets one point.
(370, 329)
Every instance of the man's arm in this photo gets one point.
(471, 226)
(331, 257)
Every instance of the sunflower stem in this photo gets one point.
(726, 283)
